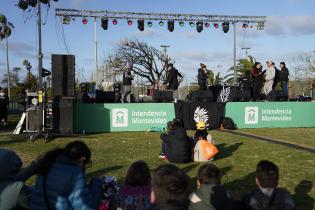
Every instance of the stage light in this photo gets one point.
(260, 26)
(115, 22)
(129, 22)
(199, 26)
(170, 25)
(161, 23)
(207, 25)
(66, 20)
(245, 25)
(32, 3)
(84, 21)
(181, 24)
(215, 25)
(141, 25)
(23, 4)
(104, 23)
(150, 24)
(225, 27)
(192, 24)
(44, 1)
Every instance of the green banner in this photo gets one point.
(271, 114)
(121, 117)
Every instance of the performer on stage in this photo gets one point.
(284, 79)
(270, 76)
(127, 81)
(202, 77)
(257, 80)
(172, 80)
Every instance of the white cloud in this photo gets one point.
(200, 56)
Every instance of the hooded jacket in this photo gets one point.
(13, 193)
(212, 197)
(284, 74)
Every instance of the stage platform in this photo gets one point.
(144, 116)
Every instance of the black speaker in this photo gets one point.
(32, 120)
(202, 96)
(104, 96)
(62, 115)
(63, 75)
(162, 96)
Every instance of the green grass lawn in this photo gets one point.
(301, 136)
(114, 152)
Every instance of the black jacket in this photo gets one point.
(279, 200)
(172, 79)
(179, 146)
(4, 102)
(284, 74)
(202, 76)
(127, 78)
(22, 101)
(171, 206)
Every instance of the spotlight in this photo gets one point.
(129, 22)
(44, 1)
(192, 24)
(199, 26)
(141, 25)
(115, 22)
(225, 27)
(170, 25)
(207, 25)
(23, 4)
(84, 21)
(150, 24)
(66, 20)
(161, 23)
(215, 25)
(32, 3)
(245, 25)
(181, 24)
(260, 26)
(104, 23)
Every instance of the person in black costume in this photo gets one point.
(172, 80)
(22, 99)
(4, 102)
(257, 78)
(202, 77)
(127, 81)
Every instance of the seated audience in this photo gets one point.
(267, 195)
(168, 129)
(61, 181)
(135, 194)
(169, 188)
(14, 194)
(179, 145)
(204, 150)
(211, 195)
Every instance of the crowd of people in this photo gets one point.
(257, 80)
(61, 184)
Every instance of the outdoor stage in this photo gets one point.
(145, 116)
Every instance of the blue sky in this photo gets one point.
(290, 30)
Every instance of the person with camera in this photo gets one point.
(202, 77)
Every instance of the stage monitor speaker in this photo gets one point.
(229, 94)
(63, 115)
(32, 119)
(104, 96)
(63, 75)
(162, 96)
(204, 96)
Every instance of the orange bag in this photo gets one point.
(208, 149)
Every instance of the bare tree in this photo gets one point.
(148, 62)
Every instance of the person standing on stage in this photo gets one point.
(269, 77)
(284, 79)
(257, 80)
(172, 80)
(4, 102)
(202, 77)
(127, 81)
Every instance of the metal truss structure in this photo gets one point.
(158, 16)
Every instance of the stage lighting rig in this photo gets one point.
(141, 25)
(207, 25)
(23, 4)
(115, 22)
(225, 27)
(161, 23)
(66, 20)
(170, 25)
(84, 21)
(216, 25)
(104, 23)
(150, 24)
(129, 22)
(192, 24)
(199, 26)
(260, 26)
(181, 24)
(245, 25)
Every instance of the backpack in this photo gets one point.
(228, 123)
(204, 151)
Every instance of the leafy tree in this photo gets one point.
(243, 65)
